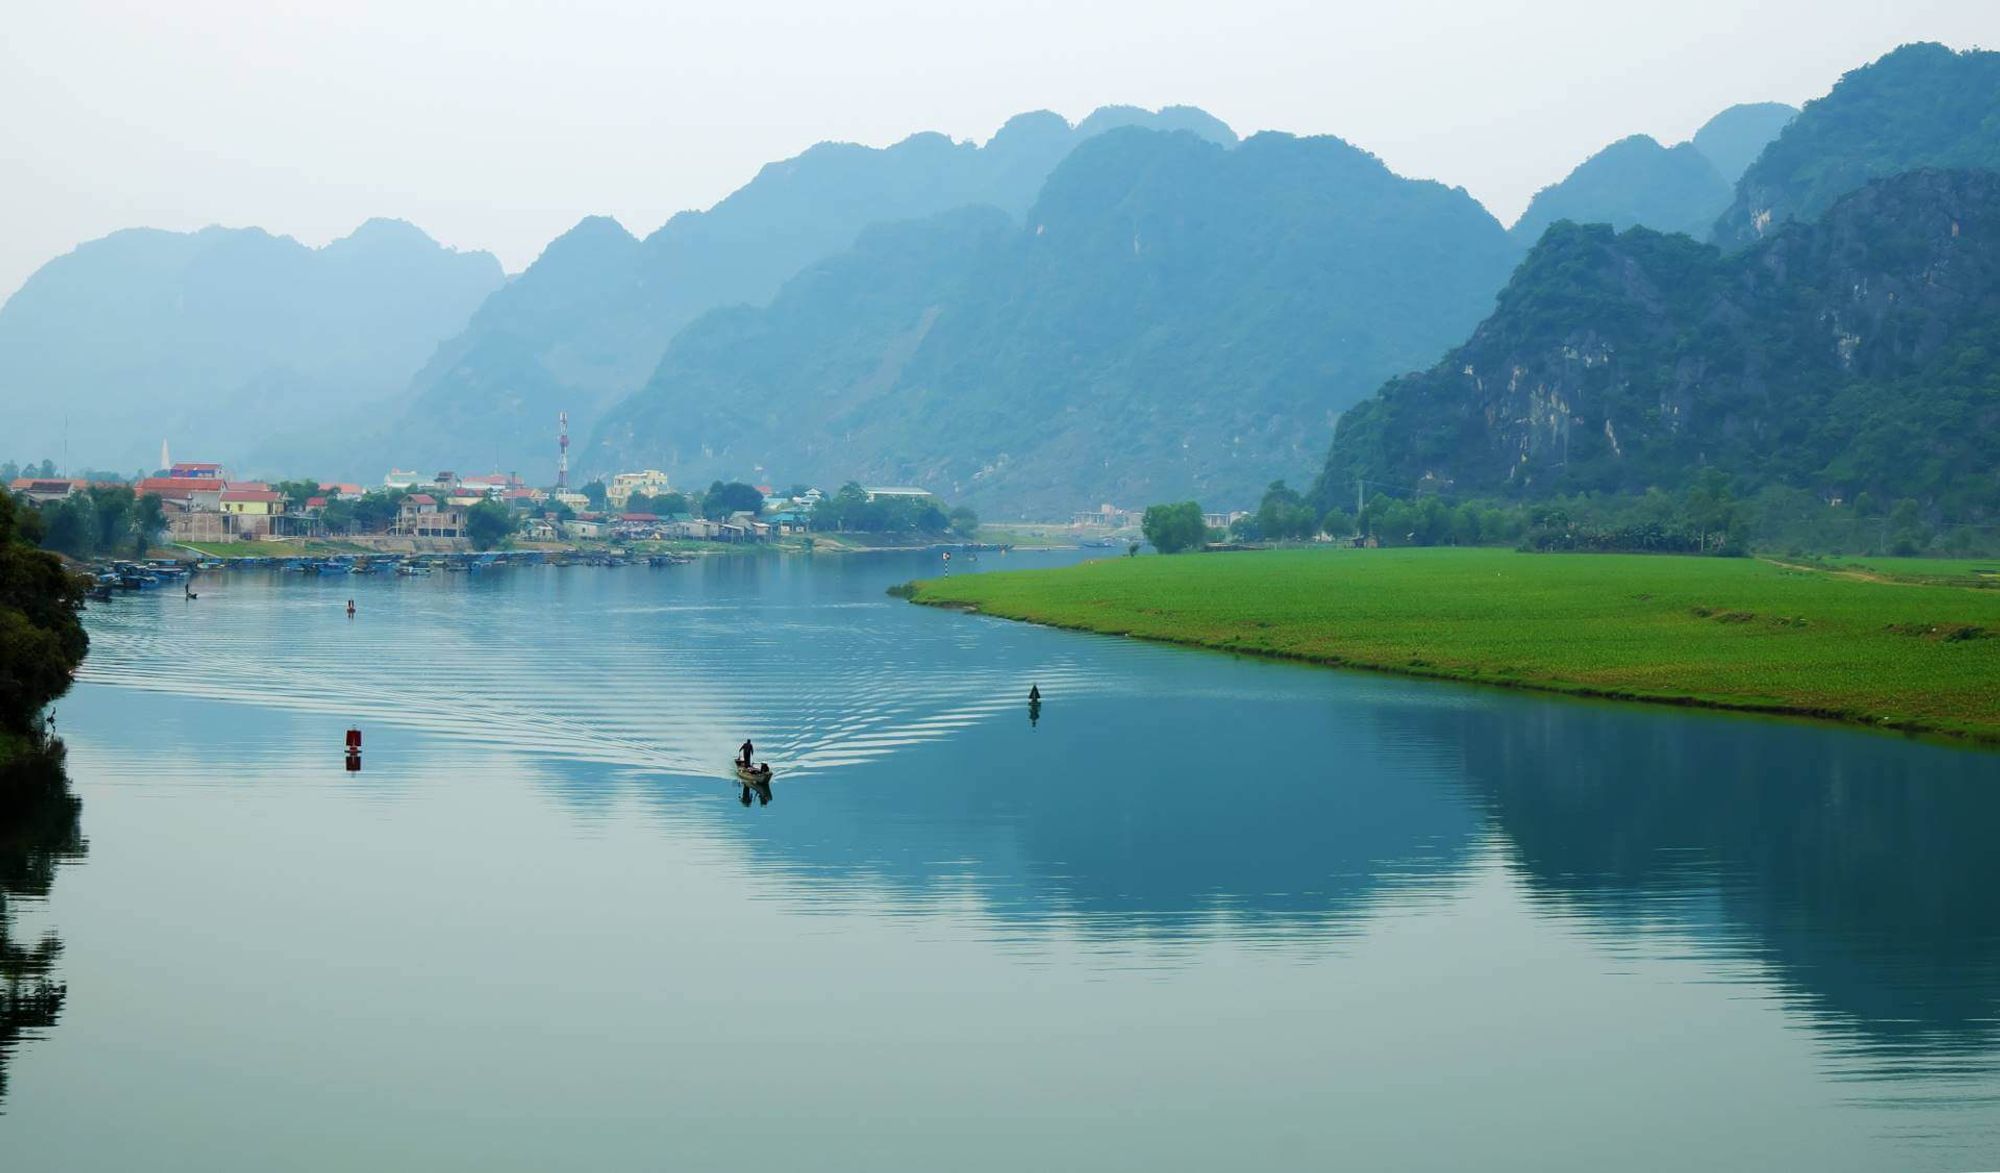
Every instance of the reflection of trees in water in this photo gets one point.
(1860, 869)
(38, 832)
(1190, 844)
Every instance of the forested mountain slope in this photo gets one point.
(1859, 353)
(1174, 317)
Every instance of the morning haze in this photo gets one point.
(895, 587)
(497, 127)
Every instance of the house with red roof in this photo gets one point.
(424, 516)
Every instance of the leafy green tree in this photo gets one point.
(377, 510)
(964, 522)
(111, 510)
(1283, 514)
(723, 499)
(596, 492)
(1174, 528)
(70, 526)
(41, 636)
(148, 522)
(488, 523)
(296, 493)
(665, 504)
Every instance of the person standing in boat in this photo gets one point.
(743, 755)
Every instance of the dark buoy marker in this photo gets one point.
(1034, 705)
(350, 606)
(353, 749)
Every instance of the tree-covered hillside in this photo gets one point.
(1633, 182)
(1174, 318)
(588, 322)
(1733, 139)
(1857, 354)
(212, 339)
(1920, 106)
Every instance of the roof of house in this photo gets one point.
(638, 517)
(251, 495)
(246, 486)
(420, 499)
(43, 484)
(315, 502)
(178, 486)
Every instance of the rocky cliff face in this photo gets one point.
(1859, 353)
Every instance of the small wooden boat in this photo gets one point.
(762, 773)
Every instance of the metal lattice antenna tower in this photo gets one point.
(562, 450)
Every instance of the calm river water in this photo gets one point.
(1204, 913)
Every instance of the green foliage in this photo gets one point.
(964, 521)
(41, 637)
(1734, 632)
(1858, 354)
(487, 523)
(1921, 106)
(1174, 528)
(849, 510)
(1632, 182)
(595, 493)
(663, 505)
(728, 497)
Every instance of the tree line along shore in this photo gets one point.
(1916, 651)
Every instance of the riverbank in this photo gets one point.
(1727, 633)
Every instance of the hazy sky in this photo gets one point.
(497, 125)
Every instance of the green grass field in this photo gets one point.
(1726, 632)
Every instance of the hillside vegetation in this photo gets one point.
(587, 323)
(1858, 355)
(1922, 106)
(1174, 318)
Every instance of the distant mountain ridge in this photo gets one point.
(1856, 354)
(215, 338)
(1174, 317)
(1921, 106)
(588, 322)
(1637, 182)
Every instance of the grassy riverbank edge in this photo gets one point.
(1054, 601)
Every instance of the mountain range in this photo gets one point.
(1135, 307)
(1637, 182)
(588, 322)
(1842, 336)
(221, 336)
(1173, 316)
(1857, 353)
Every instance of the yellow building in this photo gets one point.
(651, 483)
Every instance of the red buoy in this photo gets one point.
(354, 741)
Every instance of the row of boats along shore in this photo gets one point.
(111, 577)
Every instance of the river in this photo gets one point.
(1198, 912)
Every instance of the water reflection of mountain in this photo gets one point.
(1139, 828)
(38, 832)
(1860, 869)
